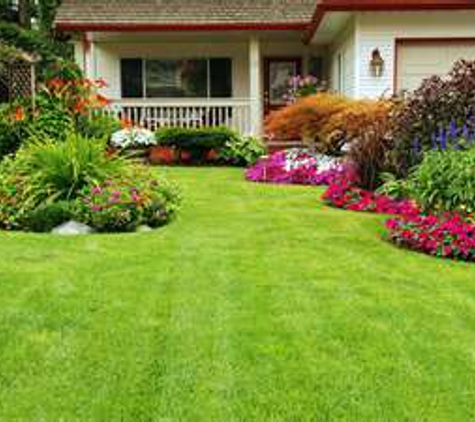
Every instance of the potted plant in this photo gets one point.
(186, 157)
(162, 155)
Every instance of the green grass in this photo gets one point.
(258, 304)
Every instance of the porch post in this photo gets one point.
(88, 56)
(255, 87)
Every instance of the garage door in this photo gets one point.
(418, 60)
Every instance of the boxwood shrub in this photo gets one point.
(196, 139)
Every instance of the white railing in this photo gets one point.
(153, 114)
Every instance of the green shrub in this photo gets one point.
(393, 187)
(48, 216)
(196, 139)
(99, 127)
(242, 151)
(52, 119)
(445, 180)
(59, 170)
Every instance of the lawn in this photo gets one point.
(258, 304)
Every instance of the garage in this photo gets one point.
(419, 59)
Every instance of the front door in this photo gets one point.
(278, 71)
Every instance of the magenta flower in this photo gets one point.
(96, 190)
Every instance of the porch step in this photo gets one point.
(273, 146)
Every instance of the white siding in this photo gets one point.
(382, 29)
(107, 56)
(342, 58)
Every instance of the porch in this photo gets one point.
(197, 79)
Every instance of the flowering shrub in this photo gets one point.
(438, 102)
(308, 119)
(449, 235)
(303, 86)
(43, 174)
(132, 138)
(343, 193)
(120, 205)
(13, 128)
(295, 166)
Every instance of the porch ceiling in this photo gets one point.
(331, 26)
(193, 37)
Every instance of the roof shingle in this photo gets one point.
(185, 12)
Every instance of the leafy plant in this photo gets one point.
(445, 180)
(48, 216)
(64, 168)
(393, 187)
(98, 127)
(242, 151)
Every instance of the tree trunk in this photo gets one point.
(24, 12)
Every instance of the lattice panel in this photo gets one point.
(4, 91)
(21, 81)
(17, 82)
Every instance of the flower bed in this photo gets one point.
(449, 235)
(343, 193)
(296, 166)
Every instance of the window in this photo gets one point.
(171, 78)
(132, 78)
(341, 73)
(316, 67)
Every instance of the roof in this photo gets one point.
(185, 14)
(325, 6)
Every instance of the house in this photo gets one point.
(215, 62)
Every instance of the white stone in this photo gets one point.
(72, 228)
(144, 229)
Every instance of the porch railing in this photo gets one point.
(153, 114)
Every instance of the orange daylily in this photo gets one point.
(19, 114)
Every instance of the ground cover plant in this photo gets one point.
(295, 166)
(259, 303)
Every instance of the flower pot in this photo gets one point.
(162, 155)
(212, 156)
(186, 157)
(111, 151)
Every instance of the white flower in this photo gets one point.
(134, 137)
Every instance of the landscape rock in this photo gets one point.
(144, 229)
(72, 228)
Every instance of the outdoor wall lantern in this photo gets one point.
(376, 64)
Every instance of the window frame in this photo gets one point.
(208, 60)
